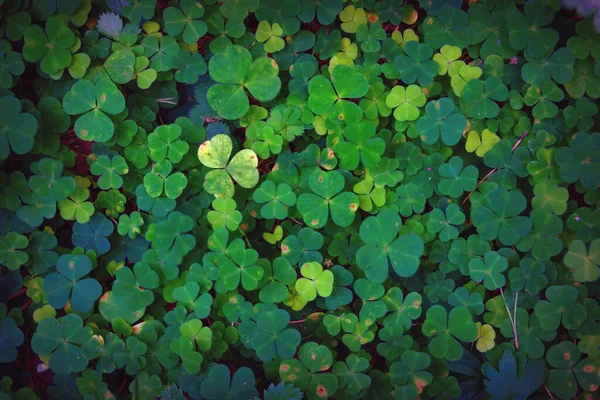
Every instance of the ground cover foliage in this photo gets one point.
(286, 199)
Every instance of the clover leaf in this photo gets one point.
(93, 235)
(446, 329)
(218, 383)
(110, 171)
(12, 337)
(406, 102)
(442, 120)
(500, 219)
(270, 35)
(444, 223)
(584, 263)
(329, 97)
(481, 97)
(94, 101)
(259, 77)
(417, 64)
(277, 198)
(51, 48)
(67, 284)
(62, 339)
(359, 146)
(456, 179)
(315, 281)
(271, 337)
(11, 250)
(383, 247)
(308, 371)
(570, 368)
(578, 161)
(18, 129)
(561, 307)
(242, 167)
(165, 143)
(185, 21)
(314, 208)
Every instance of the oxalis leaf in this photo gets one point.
(242, 167)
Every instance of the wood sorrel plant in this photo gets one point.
(286, 199)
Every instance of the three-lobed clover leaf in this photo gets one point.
(160, 180)
(481, 97)
(569, 369)
(351, 373)
(276, 199)
(51, 48)
(326, 11)
(271, 337)
(360, 146)
(215, 154)
(165, 143)
(457, 180)
(315, 281)
(189, 297)
(234, 70)
(185, 21)
(383, 247)
(584, 263)
(308, 372)
(12, 337)
(442, 121)
(219, 384)
(270, 35)
(110, 171)
(406, 102)
(276, 280)
(93, 234)
(501, 219)
(225, 214)
(416, 64)
(67, 284)
(481, 144)
(544, 98)
(489, 270)
(329, 97)
(579, 161)
(160, 52)
(561, 307)
(62, 339)
(445, 329)
(94, 101)
(315, 208)
(445, 223)
(12, 254)
(17, 129)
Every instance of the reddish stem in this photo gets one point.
(24, 306)
(20, 292)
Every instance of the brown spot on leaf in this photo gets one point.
(321, 391)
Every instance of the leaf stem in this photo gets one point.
(548, 391)
(167, 100)
(512, 322)
(299, 321)
(20, 292)
(515, 315)
(494, 170)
